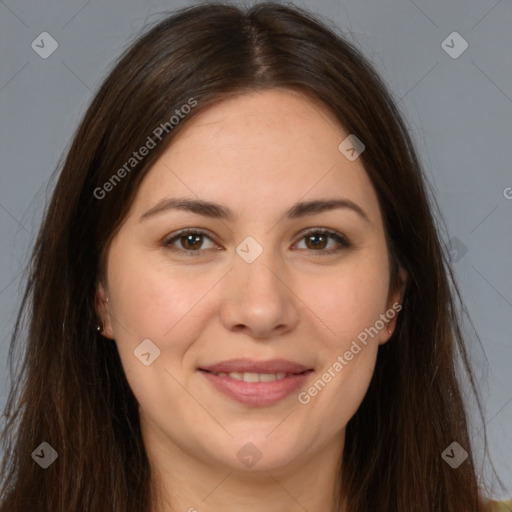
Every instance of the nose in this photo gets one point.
(258, 298)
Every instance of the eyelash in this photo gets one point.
(342, 241)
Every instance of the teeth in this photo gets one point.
(251, 377)
(254, 377)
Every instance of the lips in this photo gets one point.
(256, 383)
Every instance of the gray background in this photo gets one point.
(458, 109)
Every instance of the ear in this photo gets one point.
(102, 307)
(394, 306)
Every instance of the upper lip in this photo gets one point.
(248, 365)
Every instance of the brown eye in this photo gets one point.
(188, 241)
(318, 241)
(192, 241)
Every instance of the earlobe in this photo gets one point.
(101, 305)
(394, 306)
(389, 328)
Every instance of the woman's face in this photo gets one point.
(290, 316)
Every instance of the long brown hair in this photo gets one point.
(69, 388)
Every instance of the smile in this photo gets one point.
(254, 388)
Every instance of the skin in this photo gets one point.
(257, 154)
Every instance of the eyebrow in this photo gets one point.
(218, 211)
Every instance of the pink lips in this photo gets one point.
(257, 393)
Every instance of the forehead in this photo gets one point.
(242, 123)
(257, 147)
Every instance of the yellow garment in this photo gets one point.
(502, 506)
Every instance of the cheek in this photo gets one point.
(163, 305)
(350, 300)
(349, 306)
(160, 303)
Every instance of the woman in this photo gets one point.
(238, 298)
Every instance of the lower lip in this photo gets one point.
(257, 393)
